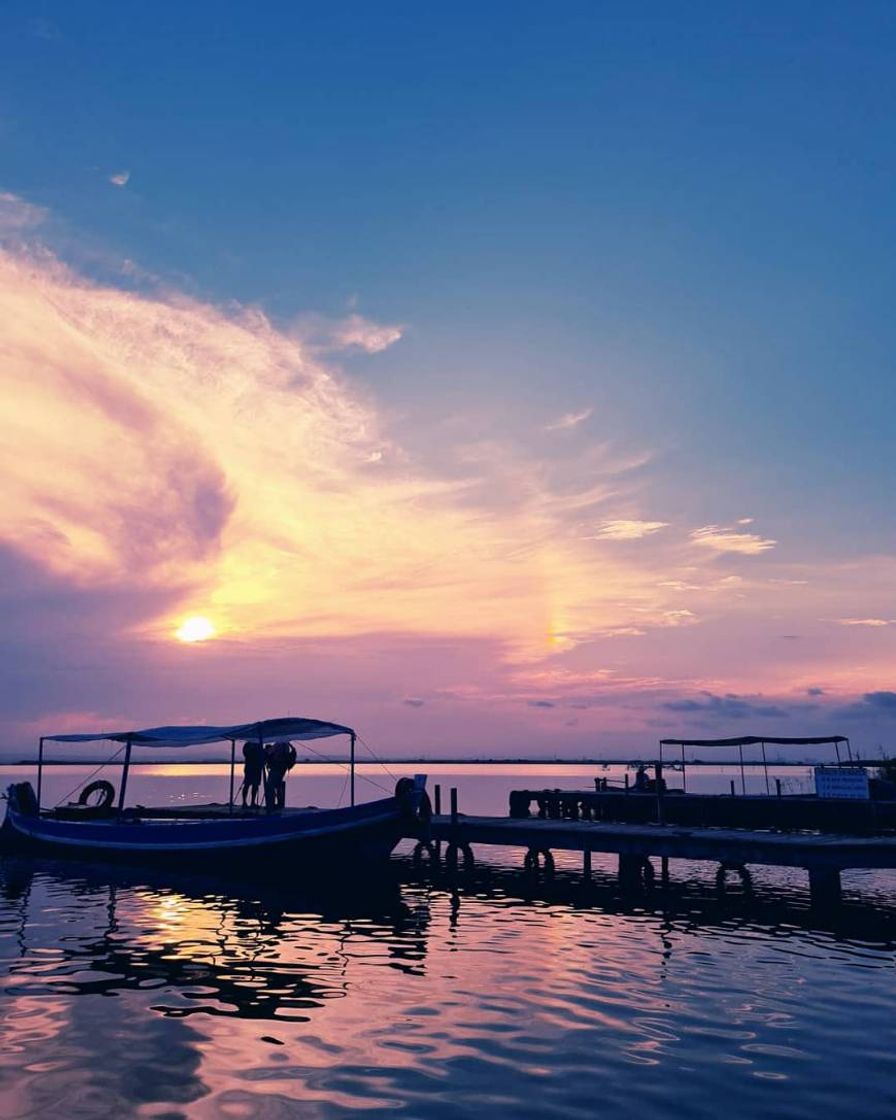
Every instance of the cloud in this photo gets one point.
(730, 706)
(120, 178)
(569, 420)
(871, 622)
(203, 461)
(17, 215)
(163, 457)
(354, 332)
(884, 699)
(627, 530)
(730, 539)
(815, 692)
(877, 705)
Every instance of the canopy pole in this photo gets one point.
(352, 767)
(124, 775)
(743, 780)
(765, 768)
(232, 765)
(40, 769)
(267, 791)
(848, 750)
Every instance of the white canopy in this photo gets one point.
(266, 730)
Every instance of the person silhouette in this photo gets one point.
(253, 770)
(279, 759)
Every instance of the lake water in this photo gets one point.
(133, 994)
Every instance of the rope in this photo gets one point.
(345, 766)
(379, 761)
(66, 796)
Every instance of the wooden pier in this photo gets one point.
(734, 850)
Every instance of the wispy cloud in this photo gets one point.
(17, 215)
(353, 332)
(627, 530)
(120, 178)
(872, 622)
(569, 420)
(731, 539)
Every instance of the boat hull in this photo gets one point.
(314, 841)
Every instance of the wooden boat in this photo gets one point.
(206, 836)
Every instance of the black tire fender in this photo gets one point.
(104, 788)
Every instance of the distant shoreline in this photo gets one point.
(437, 762)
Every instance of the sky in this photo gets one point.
(498, 379)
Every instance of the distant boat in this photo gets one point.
(205, 836)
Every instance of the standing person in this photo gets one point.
(253, 768)
(279, 759)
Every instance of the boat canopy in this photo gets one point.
(266, 730)
(751, 740)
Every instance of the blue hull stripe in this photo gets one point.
(189, 836)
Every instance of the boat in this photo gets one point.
(203, 837)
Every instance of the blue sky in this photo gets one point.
(675, 218)
(690, 208)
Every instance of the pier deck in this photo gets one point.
(823, 856)
(714, 844)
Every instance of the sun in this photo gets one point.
(196, 628)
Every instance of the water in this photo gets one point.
(133, 994)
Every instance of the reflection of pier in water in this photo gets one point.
(694, 903)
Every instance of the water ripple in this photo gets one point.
(127, 998)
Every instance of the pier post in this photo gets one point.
(824, 886)
(437, 791)
(778, 786)
(733, 794)
(664, 870)
(635, 872)
(453, 807)
(586, 866)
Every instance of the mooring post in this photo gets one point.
(778, 786)
(733, 794)
(437, 794)
(586, 866)
(453, 807)
(625, 775)
(664, 870)
(824, 886)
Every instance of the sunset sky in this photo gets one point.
(495, 378)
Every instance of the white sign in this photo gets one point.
(842, 781)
